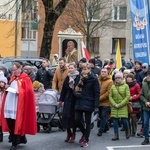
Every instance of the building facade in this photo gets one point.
(10, 28)
(104, 45)
(30, 31)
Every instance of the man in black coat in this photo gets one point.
(45, 75)
(94, 69)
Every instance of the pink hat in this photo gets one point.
(2, 77)
(119, 75)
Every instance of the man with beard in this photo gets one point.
(60, 75)
(45, 75)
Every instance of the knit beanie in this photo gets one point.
(119, 75)
(130, 75)
(3, 78)
(36, 84)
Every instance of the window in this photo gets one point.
(119, 13)
(25, 34)
(122, 45)
(93, 10)
(34, 12)
(94, 44)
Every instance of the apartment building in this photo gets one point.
(10, 28)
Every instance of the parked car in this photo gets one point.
(31, 61)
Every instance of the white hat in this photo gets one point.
(2, 77)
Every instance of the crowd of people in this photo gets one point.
(84, 87)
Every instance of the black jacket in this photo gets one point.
(67, 96)
(90, 95)
(45, 77)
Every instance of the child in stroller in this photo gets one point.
(49, 114)
(38, 90)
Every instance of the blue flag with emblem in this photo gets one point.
(140, 30)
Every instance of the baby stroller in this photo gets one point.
(49, 114)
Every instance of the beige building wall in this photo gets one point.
(122, 30)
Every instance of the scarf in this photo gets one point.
(72, 76)
(131, 84)
(82, 80)
(63, 69)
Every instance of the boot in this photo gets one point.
(127, 132)
(1, 137)
(68, 135)
(72, 139)
(116, 137)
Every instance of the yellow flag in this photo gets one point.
(118, 56)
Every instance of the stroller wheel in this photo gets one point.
(92, 125)
(49, 128)
(38, 128)
(44, 128)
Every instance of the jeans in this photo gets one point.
(103, 112)
(116, 126)
(146, 115)
(86, 126)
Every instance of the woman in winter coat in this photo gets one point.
(87, 92)
(69, 100)
(119, 97)
(134, 97)
(145, 101)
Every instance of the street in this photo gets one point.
(55, 141)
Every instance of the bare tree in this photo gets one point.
(52, 13)
(88, 16)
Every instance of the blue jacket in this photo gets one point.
(140, 77)
(90, 94)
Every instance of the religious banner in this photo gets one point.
(140, 30)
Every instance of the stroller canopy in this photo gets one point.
(49, 97)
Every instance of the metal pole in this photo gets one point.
(16, 28)
(29, 41)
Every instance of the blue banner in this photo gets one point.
(140, 30)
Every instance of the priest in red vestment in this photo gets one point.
(18, 108)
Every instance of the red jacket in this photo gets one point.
(135, 94)
(26, 114)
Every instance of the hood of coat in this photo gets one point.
(104, 78)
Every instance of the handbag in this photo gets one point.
(136, 105)
(129, 105)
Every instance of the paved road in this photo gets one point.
(55, 141)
